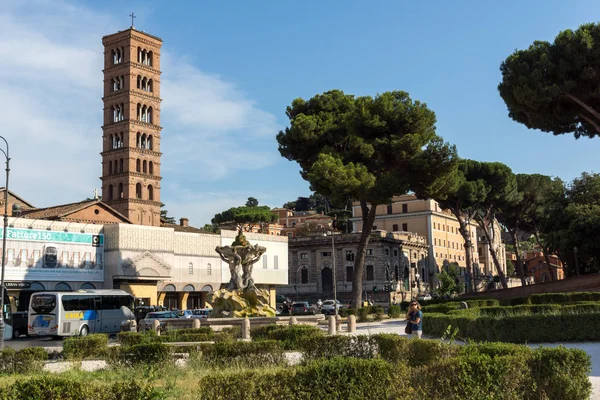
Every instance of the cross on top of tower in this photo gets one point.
(132, 15)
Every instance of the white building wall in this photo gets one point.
(264, 273)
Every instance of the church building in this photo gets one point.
(119, 241)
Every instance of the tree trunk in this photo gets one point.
(515, 238)
(546, 255)
(465, 233)
(481, 223)
(368, 217)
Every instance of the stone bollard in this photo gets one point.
(351, 323)
(156, 327)
(331, 330)
(338, 323)
(246, 328)
(293, 321)
(196, 323)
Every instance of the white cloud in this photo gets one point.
(50, 89)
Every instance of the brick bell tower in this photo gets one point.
(131, 130)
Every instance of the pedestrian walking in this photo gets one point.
(414, 316)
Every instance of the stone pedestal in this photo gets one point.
(196, 323)
(293, 321)
(246, 328)
(331, 329)
(338, 323)
(156, 326)
(351, 323)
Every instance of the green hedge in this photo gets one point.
(246, 354)
(361, 346)
(27, 360)
(339, 378)
(79, 347)
(395, 312)
(145, 354)
(539, 328)
(133, 338)
(56, 387)
(472, 372)
(290, 336)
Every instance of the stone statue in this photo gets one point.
(241, 297)
(241, 257)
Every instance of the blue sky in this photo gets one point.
(231, 68)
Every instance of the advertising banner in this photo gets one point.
(35, 255)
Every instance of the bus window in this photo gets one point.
(50, 257)
(43, 303)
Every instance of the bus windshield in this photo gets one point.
(43, 303)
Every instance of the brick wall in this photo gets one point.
(587, 283)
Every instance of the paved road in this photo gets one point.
(32, 341)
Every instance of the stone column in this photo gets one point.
(351, 323)
(332, 322)
(182, 300)
(156, 326)
(338, 323)
(293, 321)
(246, 328)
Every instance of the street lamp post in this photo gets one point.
(576, 250)
(297, 282)
(334, 275)
(2, 288)
(417, 276)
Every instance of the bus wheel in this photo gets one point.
(84, 331)
(16, 333)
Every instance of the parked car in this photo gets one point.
(328, 308)
(424, 298)
(161, 316)
(201, 313)
(20, 323)
(185, 314)
(303, 308)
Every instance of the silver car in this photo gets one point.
(328, 308)
(161, 316)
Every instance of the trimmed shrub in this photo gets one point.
(376, 310)
(290, 336)
(361, 346)
(30, 359)
(134, 390)
(395, 312)
(146, 353)
(351, 378)
(339, 378)
(79, 347)
(49, 387)
(561, 373)
(248, 385)
(475, 376)
(247, 354)
(538, 328)
(362, 314)
(133, 338)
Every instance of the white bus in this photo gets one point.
(79, 312)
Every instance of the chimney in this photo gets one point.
(183, 222)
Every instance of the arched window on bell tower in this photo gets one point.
(121, 165)
(145, 167)
(138, 190)
(121, 194)
(149, 142)
(110, 167)
(110, 192)
(151, 168)
(150, 192)
(137, 165)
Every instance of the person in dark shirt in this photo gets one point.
(415, 316)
